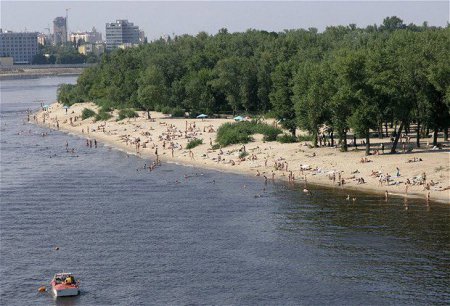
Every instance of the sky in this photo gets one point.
(158, 18)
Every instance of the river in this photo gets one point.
(134, 237)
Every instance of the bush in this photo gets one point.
(240, 132)
(87, 113)
(270, 133)
(243, 154)
(287, 138)
(127, 113)
(102, 115)
(231, 133)
(177, 112)
(106, 109)
(305, 138)
(105, 104)
(193, 143)
(69, 94)
(166, 110)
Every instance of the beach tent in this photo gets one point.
(202, 116)
(46, 106)
(238, 118)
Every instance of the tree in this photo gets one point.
(394, 74)
(39, 59)
(392, 23)
(312, 93)
(249, 86)
(281, 97)
(199, 92)
(264, 70)
(438, 77)
(364, 118)
(349, 69)
(228, 80)
(151, 91)
(68, 94)
(340, 79)
(358, 94)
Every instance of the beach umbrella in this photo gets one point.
(202, 116)
(66, 107)
(238, 118)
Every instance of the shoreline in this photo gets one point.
(336, 162)
(29, 73)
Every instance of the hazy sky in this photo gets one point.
(159, 18)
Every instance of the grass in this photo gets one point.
(87, 113)
(193, 143)
(240, 132)
(127, 113)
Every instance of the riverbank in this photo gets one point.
(27, 72)
(272, 160)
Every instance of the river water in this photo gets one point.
(139, 238)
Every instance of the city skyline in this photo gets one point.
(176, 18)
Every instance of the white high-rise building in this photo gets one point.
(121, 32)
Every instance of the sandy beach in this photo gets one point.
(422, 173)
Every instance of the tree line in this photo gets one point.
(62, 54)
(344, 78)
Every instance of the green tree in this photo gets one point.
(313, 90)
(264, 70)
(199, 92)
(281, 97)
(438, 77)
(228, 81)
(392, 23)
(68, 94)
(151, 91)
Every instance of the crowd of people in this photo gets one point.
(167, 138)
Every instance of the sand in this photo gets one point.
(317, 165)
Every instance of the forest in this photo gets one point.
(343, 79)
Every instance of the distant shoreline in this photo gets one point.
(27, 73)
